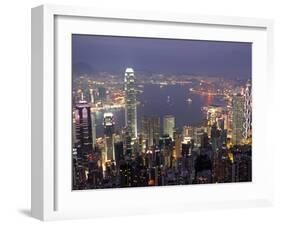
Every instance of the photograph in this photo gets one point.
(159, 112)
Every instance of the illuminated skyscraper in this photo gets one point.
(92, 98)
(215, 116)
(130, 103)
(169, 125)
(93, 124)
(188, 131)
(101, 95)
(108, 124)
(213, 113)
(178, 140)
(150, 130)
(237, 118)
(248, 112)
(186, 147)
(83, 131)
(199, 136)
(127, 142)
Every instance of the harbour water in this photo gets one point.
(156, 100)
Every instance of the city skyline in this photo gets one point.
(157, 130)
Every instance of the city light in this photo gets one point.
(139, 128)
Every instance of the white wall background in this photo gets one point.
(15, 111)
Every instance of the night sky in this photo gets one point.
(91, 54)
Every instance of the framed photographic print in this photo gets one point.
(137, 112)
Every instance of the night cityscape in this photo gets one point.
(157, 112)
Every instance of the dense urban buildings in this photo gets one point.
(138, 128)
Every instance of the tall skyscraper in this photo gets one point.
(150, 130)
(188, 131)
(198, 136)
(186, 147)
(101, 95)
(247, 133)
(130, 103)
(108, 124)
(83, 131)
(93, 124)
(214, 117)
(237, 118)
(128, 147)
(213, 112)
(169, 125)
(178, 140)
(92, 96)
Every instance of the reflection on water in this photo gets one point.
(166, 100)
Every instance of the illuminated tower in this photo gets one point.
(237, 118)
(150, 130)
(178, 140)
(214, 114)
(169, 125)
(92, 96)
(247, 112)
(83, 131)
(108, 124)
(130, 103)
(93, 119)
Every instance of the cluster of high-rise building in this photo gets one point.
(159, 153)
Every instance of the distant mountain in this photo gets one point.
(82, 68)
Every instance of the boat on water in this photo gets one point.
(168, 99)
(189, 100)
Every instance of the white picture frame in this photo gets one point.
(52, 197)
